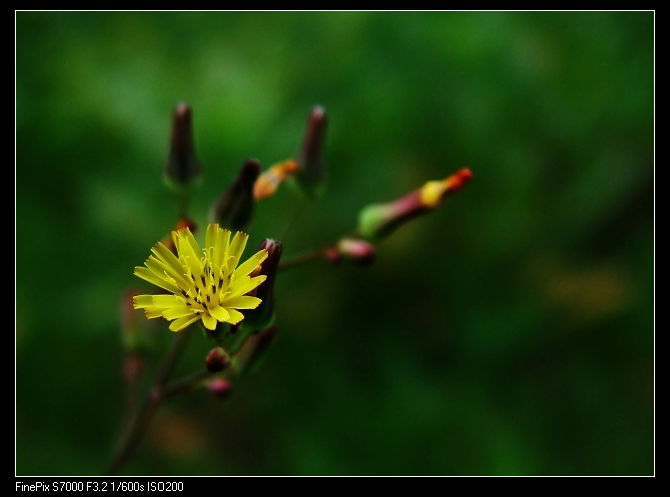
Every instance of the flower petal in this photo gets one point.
(235, 316)
(181, 323)
(236, 249)
(172, 264)
(177, 312)
(185, 234)
(153, 312)
(209, 321)
(167, 301)
(142, 301)
(148, 275)
(244, 302)
(219, 313)
(252, 263)
(245, 285)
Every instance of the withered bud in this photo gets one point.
(182, 170)
(235, 207)
(379, 220)
(358, 251)
(311, 174)
(263, 316)
(217, 360)
(221, 388)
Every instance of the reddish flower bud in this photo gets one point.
(217, 360)
(221, 388)
(263, 316)
(333, 255)
(235, 207)
(311, 174)
(182, 170)
(358, 251)
(377, 221)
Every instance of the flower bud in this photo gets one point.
(379, 220)
(182, 170)
(217, 360)
(221, 388)
(235, 207)
(263, 316)
(268, 182)
(311, 174)
(358, 251)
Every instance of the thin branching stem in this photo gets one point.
(145, 413)
(311, 255)
(300, 259)
(184, 385)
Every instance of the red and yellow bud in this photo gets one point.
(433, 193)
(268, 182)
(379, 220)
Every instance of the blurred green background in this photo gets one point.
(509, 332)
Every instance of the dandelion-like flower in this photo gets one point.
(205, 285)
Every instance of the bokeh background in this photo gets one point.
(509, 332)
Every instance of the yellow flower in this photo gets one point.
(205, 284)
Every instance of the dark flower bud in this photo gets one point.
(221, 388)
(311, 173)
(380, 220)
(263, 316)
(235, 207)
(217, 360)
(182, 170)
